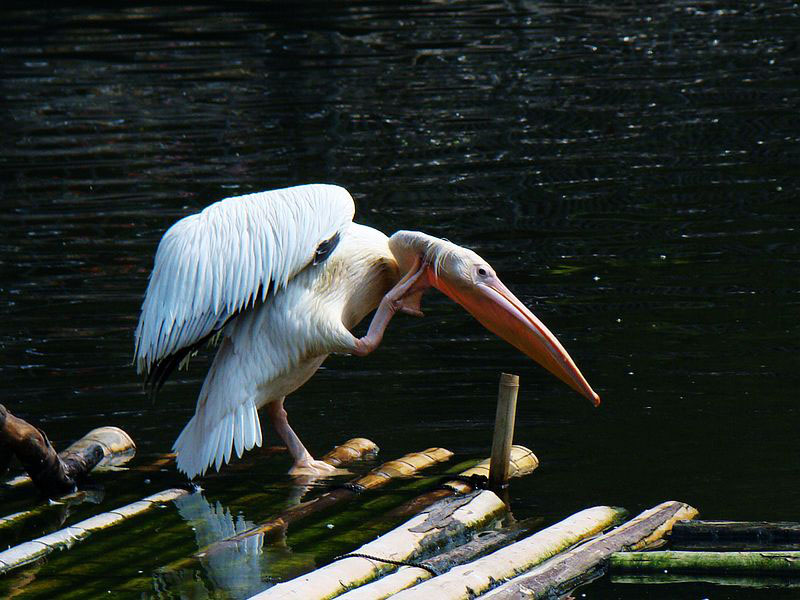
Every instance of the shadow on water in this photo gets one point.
(630, 170)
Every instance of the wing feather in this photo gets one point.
(212, 264)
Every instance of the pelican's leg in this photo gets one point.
(405, 297)
(304, 464)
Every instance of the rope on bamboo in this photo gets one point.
(388, 561)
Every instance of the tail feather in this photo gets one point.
(202, 444)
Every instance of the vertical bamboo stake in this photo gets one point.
(503, 431)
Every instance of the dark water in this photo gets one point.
(630, 169)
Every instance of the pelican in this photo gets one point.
(279, 279)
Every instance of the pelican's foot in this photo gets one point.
(315, 468)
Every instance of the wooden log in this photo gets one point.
(475, 578)
(405, 577)
(56, 474)
(64, 538)
(441, 522)
(570, 569)
(718, 562)
(755, 532)
(503, 431)
(380, 476)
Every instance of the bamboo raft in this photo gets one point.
(455, 541)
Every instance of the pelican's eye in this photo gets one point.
(482, 272)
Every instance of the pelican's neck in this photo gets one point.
(363, 270)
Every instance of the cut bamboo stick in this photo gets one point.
(503, 431)
(718, 562)
(380, 476)
(569, 569)
(472, 579)
(441, 522)
(64, 538)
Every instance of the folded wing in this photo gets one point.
(236, 252)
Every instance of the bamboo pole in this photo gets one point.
(718, 562)
(472, 579)
(407, 576)
(503, 431)
(570, 569)
(753, 580)
(522, 462)
(378, 477)
(440, 523)
(352, 450)
(64, 538)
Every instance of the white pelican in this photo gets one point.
(280, 278)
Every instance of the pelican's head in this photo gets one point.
(469, 280)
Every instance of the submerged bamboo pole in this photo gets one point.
(64, 538)
(378, 477)
(569, 569)
(718, 562)
(441, 522)
(477, 577)
(503, 431)
(759, 532)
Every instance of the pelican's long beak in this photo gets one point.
(501, 312)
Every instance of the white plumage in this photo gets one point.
(280, 278)
(251, 257)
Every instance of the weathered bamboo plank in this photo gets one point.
(479, 576)
(441, 522)
(569, 569)
(718, 562)
(65, 538)
(380, 476)
(762, 532)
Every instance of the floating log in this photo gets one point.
(64, 538)
(571, 568)
(57, 474)
(482, 543)
(472, 579)
(380, 476)
(719, 562)
(503, 431)
(755, 532)
(440, 523)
